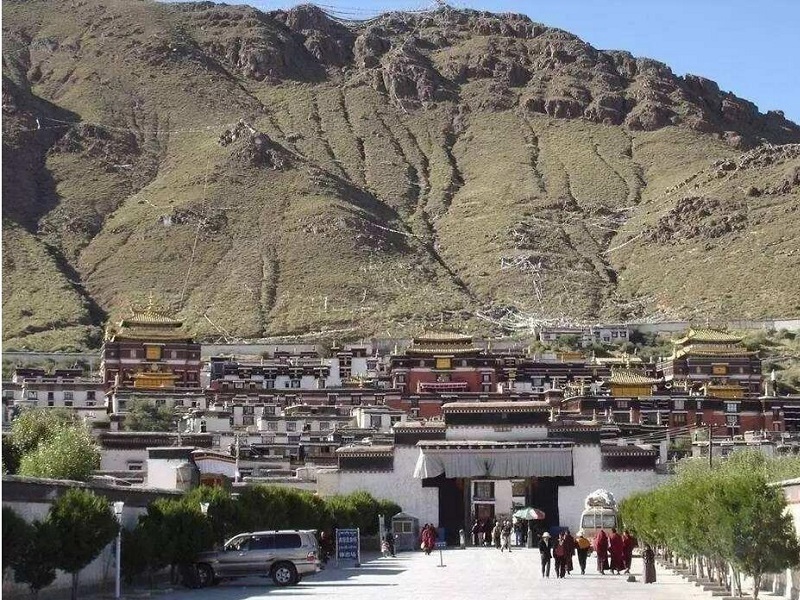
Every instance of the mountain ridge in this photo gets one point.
(278, 173)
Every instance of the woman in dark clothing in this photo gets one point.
(545, 553)
(649, 559)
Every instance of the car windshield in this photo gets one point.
(596, 521)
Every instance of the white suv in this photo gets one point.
(286, 556)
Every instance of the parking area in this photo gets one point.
(474, 573)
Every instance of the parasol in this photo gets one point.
(529, 514)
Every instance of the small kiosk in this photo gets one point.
(406, 532)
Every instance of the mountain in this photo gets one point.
(286, 173)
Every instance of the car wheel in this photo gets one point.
(284, 574)
(205, 576)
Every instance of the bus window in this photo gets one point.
(609, 521)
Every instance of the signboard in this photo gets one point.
(348, 545)
(441, 545)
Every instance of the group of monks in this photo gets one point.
(618, 548)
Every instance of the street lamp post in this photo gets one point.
(118, 506)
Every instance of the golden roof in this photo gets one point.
(708, 336)
(625, 377)
(441, 350)
(712, 350)
(149, 323)
(442, 337)
(442, 344)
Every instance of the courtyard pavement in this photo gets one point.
(471, 574)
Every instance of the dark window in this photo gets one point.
(287, 540)
(262, 542)
(698, 419)
(90, 395)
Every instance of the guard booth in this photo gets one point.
(406, 532)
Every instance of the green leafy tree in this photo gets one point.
(36, 563)
(70, 453)
(140, 555)
(85, 525)
(144, 415)
(11, 455)
(178, 529)
(224, 512)
(16, 536)
(720, 517)
(35, 425)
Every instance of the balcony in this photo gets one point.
(441, 386)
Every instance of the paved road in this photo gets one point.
(471, 574)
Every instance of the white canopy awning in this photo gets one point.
(494, 459)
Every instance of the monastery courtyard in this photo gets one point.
(471, 574)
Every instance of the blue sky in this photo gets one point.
(749, 47)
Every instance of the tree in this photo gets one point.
(70, 453)
(144, 415)
(36, 563)
(763, 536)
(35, 425)
(11, 455)
(16, 536)
(177, 530)
(224, 512)
(85, 525)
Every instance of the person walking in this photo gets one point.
(545, 552)
(569, 550)
(628, 544)
(560, 556)
(649, 560)
(496, 533)
(517, 532)
(615, 550)
(601, 548)
(476, 531)
(389, 539)
(505, 537)
(583, 547)
(428, 538)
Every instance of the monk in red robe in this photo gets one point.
(601, 549)
(617, 551)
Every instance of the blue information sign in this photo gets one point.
(348, 544)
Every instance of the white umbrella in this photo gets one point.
(529, 514)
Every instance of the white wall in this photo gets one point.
(117, 460)
(495, 434)
(589, 477)
(399, 485)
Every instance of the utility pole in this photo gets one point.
(710, 447)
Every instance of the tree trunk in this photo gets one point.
(75, 585)
(756, 584)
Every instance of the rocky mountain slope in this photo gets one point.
(283, 173)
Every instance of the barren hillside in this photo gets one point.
(284, 173)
